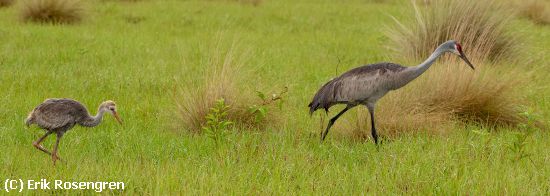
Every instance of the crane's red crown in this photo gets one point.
(458, 47)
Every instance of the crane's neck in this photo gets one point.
(422, 67)
(418, 70)
(92, 121)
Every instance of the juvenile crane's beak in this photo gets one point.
(115, 114)
(463, 57)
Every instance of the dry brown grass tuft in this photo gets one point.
(254, 3)
(224, 78)
(446, 94)
(488, 95)
(478, 25)
(128, 1)
(536, 10)
(451, 93)
(220, 81)
(6, 3)
(52, 11)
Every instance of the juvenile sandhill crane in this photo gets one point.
(60, 115)
(367, 84)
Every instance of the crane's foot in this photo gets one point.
(55, 158)
(380, 142)
(41, 148)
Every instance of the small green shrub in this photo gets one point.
(480, 141)
(260, 111)
(518, 145)
(217, 124)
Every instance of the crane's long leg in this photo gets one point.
(332, 120)
(54, 154)
(373, 127)
(40, 140)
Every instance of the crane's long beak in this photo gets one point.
(463, 57)
(115, 114)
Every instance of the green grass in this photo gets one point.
(294, 44)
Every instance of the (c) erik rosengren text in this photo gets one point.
(19, 185)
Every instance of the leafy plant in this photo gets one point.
(260, 110)
(518, 146)
(480, 141)
(216, 127)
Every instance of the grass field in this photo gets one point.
(138, 53)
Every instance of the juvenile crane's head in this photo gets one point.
(456, 48)
(110, 107)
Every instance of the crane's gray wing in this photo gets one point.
(56, 113)
(356, 86)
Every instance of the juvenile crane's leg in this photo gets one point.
(37, 145)
(332, 120)
(373, 128)
(54, 154)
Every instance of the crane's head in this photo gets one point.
(456, 48)
(110, 107)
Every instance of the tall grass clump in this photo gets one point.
(450, 93)
(224, 78)
(447, 95)
(129, 1)
(52, 11)
(254, 3)
(480, 26)
(220, 82)
(537, 11)
(451, 90)
(6, 3)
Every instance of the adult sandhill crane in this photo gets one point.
(60, 115)
(367, 84)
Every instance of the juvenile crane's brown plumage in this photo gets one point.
(60, 115)
(365, 85)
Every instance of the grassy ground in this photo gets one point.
(137, 53)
